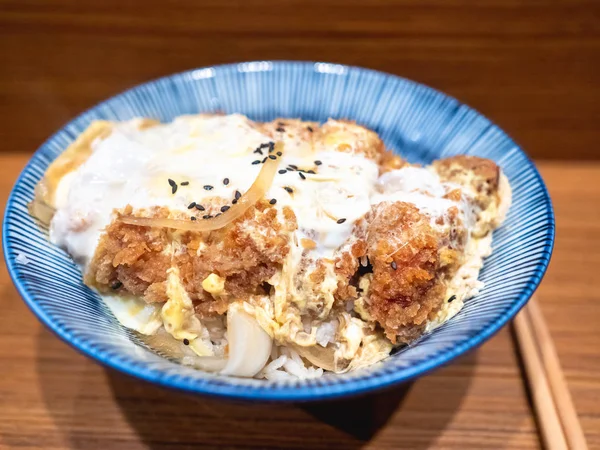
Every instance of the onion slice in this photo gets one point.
(261, 185)
(249, 345)
(166, 344)
(41, 210)
(323, 357)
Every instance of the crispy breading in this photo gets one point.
(412, 255)
(411, 261)
(346, 266)
(403, 249)
(246, 253)
(133, 257)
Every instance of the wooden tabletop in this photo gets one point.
(532, 66)
(52, 397)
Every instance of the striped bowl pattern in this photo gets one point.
(417, 121)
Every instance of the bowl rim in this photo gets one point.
(292, 393)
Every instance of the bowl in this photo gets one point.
(417, 121)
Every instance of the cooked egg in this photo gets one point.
(214, 284)
(135, 313)
(329, 186)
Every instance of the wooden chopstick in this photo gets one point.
(548, 420)
(560, 392)
(552, 402)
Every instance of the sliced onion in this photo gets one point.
(208, 363)
(168, 345)
(41, 210)
(249, 345)
(257, 191)
(323, 357)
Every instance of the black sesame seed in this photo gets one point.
(272, 157)
(271, 145)
(200, 207)
(234, 201)
(452, 298)
(394, 265)
(237, 195)
(265, 145)
(186, 342)
(309, 129)
(341, 220)
(318, 163)
(226, 181)
(258, 150)
(279, 153)
(218, 214)
(208, 187)
(293, 167)
(282, 171)
(173, 186)
(185, 183)
(280, 129)
(264, 160)
(273, 201)
(302, 175)
(191, 205)
(289, 189)
(256, 162)
(311, 171)
(225, 208)
(208, 216)
(193, 218)
(116, 285)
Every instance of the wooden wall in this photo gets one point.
(531, 66)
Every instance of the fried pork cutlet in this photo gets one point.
(346, 248)
(135, 259)
(482, 179)
(411, 259)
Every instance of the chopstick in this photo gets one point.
(557, 418)
(558, 386)
(548, 420)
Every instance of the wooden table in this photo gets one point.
(52, 397)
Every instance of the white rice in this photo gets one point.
(286, 364)
(326, 333)
(277, 364)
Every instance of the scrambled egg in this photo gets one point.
(331, 178)
(179, 318)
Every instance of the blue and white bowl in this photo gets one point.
(419, 122)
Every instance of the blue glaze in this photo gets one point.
(419, 122)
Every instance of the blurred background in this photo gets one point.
(531, 66)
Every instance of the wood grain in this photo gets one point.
(51, 397)
(532, 66)
(544, 404)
